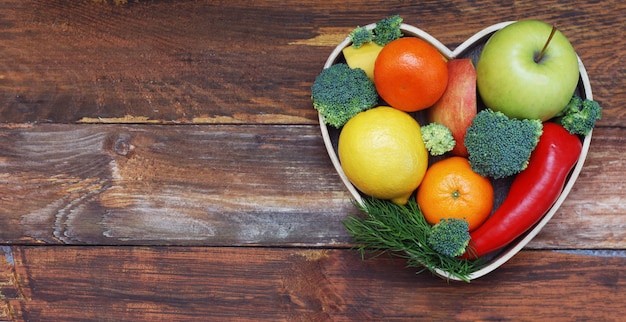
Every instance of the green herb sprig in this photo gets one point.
(402, 231)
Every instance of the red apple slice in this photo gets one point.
(457, 107)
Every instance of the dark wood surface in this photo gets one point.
(161, 161)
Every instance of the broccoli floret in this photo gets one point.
(580, 116)
(437, 138)
(500, 146)
(574, 104)
(387, 30)
(449, 237)
(340, 92)
(360, 36)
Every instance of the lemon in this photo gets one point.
(382, 153)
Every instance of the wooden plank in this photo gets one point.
(239, 61)
(251, 284)
(10, 288)
(168, 184)
(229, 185)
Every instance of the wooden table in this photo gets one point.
(161, 161)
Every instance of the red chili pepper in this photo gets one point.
(532, 192)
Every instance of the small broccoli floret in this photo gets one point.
(580, 116)
(387, 30)
(360, 36)
(340, 92)
(437, 138)
(499, 146)
(574, 105)
(449, 237)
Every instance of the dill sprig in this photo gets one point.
(402, 231)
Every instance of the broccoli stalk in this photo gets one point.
(449, 237)
(579, 116)
(500, 146)
(340, 92)
(437, 138)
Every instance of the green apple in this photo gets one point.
(527, 69)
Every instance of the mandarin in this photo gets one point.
(410, 74)
(451, 189)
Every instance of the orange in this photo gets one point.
(410, 74)
(451, 189)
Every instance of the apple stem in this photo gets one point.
(543, 50)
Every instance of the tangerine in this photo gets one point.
(410, 74)
(451, 189)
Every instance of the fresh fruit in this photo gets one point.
(410, 74)
(364, 57)
(450, 189)
(457, 107)
(382, 153)
(527, 69)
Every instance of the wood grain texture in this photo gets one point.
(217, 185)
(229, 185)
(241, 61)
(161, 161)
(251, 284)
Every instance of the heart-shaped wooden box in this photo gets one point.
(471, 48)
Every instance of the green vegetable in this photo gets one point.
(450, 237)
(340, 92)
(437, 138)
(402, 231)
(360, 36)
(580, 116)
(387, 30)
(500, 146)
